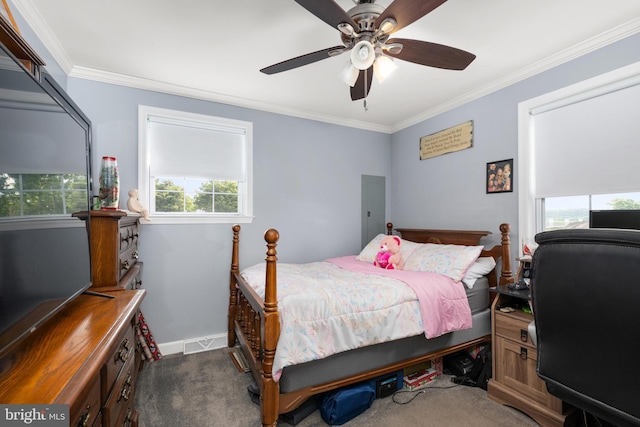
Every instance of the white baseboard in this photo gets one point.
(193, 345)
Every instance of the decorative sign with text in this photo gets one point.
(455, 138)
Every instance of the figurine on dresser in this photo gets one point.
(134, 205)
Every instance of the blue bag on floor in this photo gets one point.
(339, 406)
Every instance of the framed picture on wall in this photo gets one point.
(500, 176)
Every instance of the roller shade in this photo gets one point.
(195, 150)
(589, 146)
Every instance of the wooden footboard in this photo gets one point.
(255, 324)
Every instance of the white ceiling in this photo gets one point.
(214, 49)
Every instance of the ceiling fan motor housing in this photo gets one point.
(362, 32)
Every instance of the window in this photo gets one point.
(193, 167)
(573, 211)
(578, 152)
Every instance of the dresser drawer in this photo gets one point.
(128, 236)
(132, 279)
(85, 412)
(127, 260)
(121, 399)
(122, 354)
(515, 327)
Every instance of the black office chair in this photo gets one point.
(585, 292)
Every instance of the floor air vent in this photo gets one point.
(198, 345)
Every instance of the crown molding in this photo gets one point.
(43, 31)
(172, 89)
(587, 46)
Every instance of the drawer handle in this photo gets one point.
(124, 264)
(524, 335)
(135, 255)
(138, 284)
(523, 353)
(129, 417)
(84, 418)
(126, 388)
(123, 353)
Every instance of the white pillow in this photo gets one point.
(449, 260)
(481, 267)
(369, 252)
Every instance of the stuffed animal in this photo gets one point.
(389, 256)
(134, 205)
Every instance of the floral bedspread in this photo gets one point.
(341, 304)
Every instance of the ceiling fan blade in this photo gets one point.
(299, 61)
(407, 11)
(329, 11)
(432, 54)
(359, 91)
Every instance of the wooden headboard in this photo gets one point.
(500, 252)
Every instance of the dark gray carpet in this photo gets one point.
(205, 389)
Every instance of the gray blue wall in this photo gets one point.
(307, 178)
(307, 184)
(449, 191)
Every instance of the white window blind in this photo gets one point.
(181, 153)
(590, 146)
(193, 149)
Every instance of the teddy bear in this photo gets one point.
(134, 205)
(389, 256)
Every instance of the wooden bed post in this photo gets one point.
(270, 396)
(506, 275)
(233, 291)
(389, 228)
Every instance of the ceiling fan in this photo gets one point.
(365, 31)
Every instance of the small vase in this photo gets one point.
(109, 183)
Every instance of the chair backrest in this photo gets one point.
(585, 294)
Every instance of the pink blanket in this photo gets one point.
(443, 302)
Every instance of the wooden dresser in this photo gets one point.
(114, 249)
(515, 381)
(84, 357)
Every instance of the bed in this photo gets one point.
(255, 319)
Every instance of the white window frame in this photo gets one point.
(245, 191)
(531, 210)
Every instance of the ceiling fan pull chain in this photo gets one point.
(365, 91)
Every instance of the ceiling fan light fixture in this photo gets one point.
(393, 48)
(383, 67)
(349, 74)
(363, 55)
(346, 29)
(388, 25)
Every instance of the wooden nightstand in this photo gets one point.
(515, 381)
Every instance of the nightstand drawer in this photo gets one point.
(518, 372)
(514, 326)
